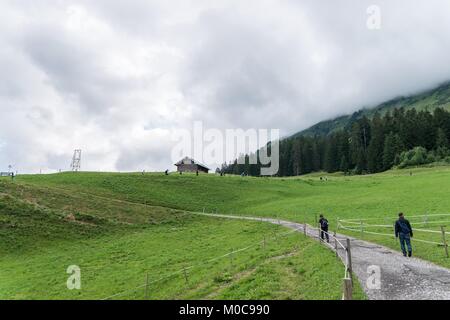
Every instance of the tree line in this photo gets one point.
(397, 138)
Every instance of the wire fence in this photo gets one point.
(414, 216)
(183, 272)
(428, 236)
(342, 251)
(338, 244)
(341, 248)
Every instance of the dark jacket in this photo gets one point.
(323, 224)
(403, 226)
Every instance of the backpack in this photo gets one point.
(403, 227)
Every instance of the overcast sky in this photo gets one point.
(115, 78)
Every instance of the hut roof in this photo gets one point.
(187, 160)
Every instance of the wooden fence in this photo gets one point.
(362, 227)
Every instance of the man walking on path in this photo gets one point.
(404, 231)
(324, 228)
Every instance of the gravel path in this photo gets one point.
(400, 278)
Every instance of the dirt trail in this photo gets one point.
(401, 278)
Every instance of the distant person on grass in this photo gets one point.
(324, 228)
(404, 231)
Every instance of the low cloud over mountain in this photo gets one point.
(114, 78)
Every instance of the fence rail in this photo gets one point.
(184, 271)
(340, 244)
(414, 216)
(361, 226)
(347, 287)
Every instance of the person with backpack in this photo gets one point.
(324, 228)
(404, 231)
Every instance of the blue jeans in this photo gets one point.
(405, 239)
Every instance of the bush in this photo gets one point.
(420, 156)
(415, 157)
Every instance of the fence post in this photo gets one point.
(444, 241)
(349, 259)
(348, 289)
(231, 256)
(304, 228)
(362, 229)
(185, 276)
(386, 221)
(146, 287)
(337, 224)
(318, 228)
(426, 220)
(335, 244)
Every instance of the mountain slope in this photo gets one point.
(429, 100)
(123, 245)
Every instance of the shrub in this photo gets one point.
(415, 157)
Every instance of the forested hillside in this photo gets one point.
(398, 138)
(429, 100)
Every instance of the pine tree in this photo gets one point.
(389, 151)
(442, 120)
(393, 147)
(425, 130)
(344, 166)
(361, 162)
(316, 163)
(296, 157)
(441, 139)
(376, 146)
(331, 161)
(306, 157)
(442, 144)
(362, 145)
(409, 133)
(359, 142)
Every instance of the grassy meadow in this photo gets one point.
(118, 243)
(416, 191)
(380, 195)
(119, 227)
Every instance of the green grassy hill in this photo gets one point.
(119, 227)
(295, 197)
(415, 192)
(428, 100)
(114, 227)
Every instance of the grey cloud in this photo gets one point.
(132, 158)
(142, 17)
(249, 64)
(245, 71)
(71, 69)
